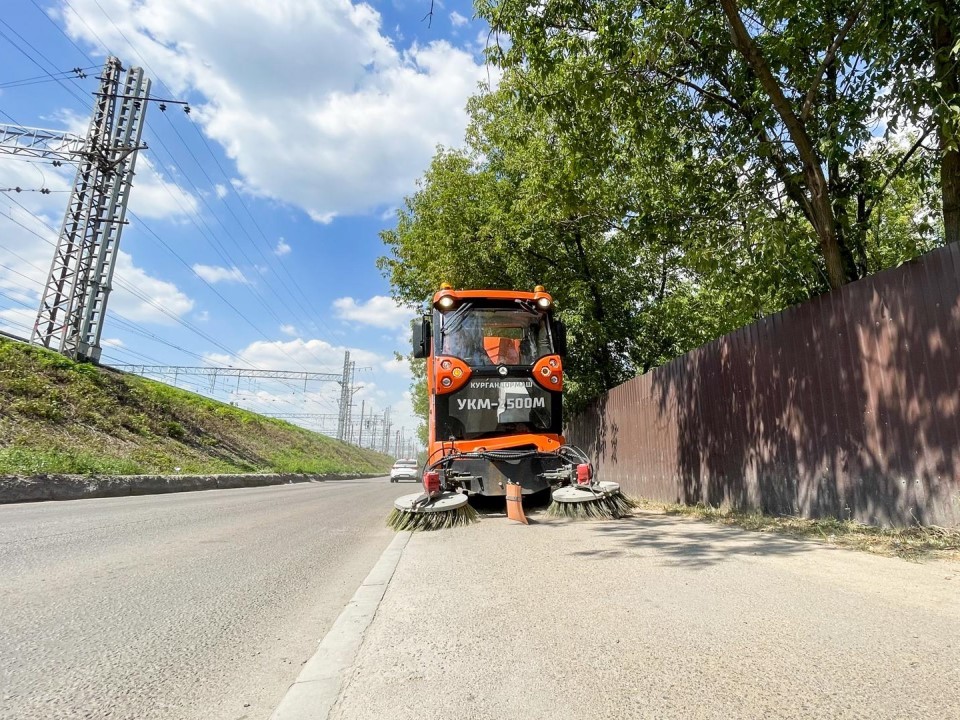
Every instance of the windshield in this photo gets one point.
(515, 335)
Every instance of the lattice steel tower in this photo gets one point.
(74, 300)
(346, 398)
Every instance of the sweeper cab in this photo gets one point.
(494, 369)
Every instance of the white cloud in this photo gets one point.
(458, 20)
(141, 297)
(113, 342)
(314, 103)
(27, 243)
(220, 190)
(313, 355)
(154, 196)
(282, 248)
(378, 311)
(216, 273)
(399, 366)
(289, 330)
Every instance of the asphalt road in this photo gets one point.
(654, 617)
(184, 606)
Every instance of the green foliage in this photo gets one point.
(789, 118)
(634, 161)
(174, 429)
(35, 461)
(297, 462)
(419, 398)
(57, 416)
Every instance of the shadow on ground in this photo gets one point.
(684, 542)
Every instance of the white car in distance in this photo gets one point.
(404, 470)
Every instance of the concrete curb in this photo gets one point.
(17, 489)
(318, 686)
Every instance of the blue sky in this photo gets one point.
(255, 219)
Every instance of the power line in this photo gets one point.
(229, 183)
(255, 291)
(127, 286)
(77, 72)
(125, 322)
(42, 191)
(235, 372)
(61, 30)
(52, 77)
(140, 295)
(59, 81)
(222, 250)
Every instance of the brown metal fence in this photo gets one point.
(846, 406)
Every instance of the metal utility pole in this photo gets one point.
(346, 398)
(74, 301)
(363, 407)
(385, 448)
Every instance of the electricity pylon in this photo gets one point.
(346, 398)
(74, 300)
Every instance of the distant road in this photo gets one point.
(187, 606)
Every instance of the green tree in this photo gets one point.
(632, 161)
(920, 49)
(787, 92)
(519, 207)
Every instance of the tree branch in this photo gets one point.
(896, 171)
(823, 220)
(780, 163)
(828, 60)
(429, 16)
(729, 102)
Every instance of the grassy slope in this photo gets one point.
(57, 416)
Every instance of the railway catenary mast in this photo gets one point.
(73, 305)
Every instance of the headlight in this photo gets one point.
(542, 298)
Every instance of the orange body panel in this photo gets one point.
(544, 442)
(487, 294)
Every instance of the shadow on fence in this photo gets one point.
(846, 406)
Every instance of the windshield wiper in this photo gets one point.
(453, 322)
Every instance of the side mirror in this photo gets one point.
(560, 338)
(421, 337)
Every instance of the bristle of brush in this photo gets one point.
(604, 507)
(405, 520)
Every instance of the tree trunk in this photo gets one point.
(821, 210)
(945, 67)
